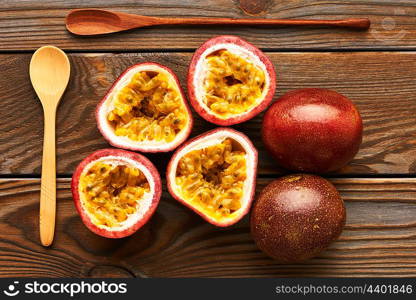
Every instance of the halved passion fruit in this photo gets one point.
(115, 192)
(145, 110)
(214, 174)
(230, 80)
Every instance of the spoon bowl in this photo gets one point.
(49, 73)
(93, 21)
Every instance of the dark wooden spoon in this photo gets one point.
(98, 21)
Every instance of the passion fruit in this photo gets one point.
(145, 110)
(230, 80)
(296, 217)
(312, 130)
(214, 174)
(115, 192)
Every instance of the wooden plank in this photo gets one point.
(380, 83)
(27, 25)
(379, 239)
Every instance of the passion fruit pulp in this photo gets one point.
(115, 192)
(145, 110)
(312, 130)
(214, 174)
(296, 217)
(230, 80)
(111, 192)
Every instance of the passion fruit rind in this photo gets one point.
(146, 206)
(296, 217)
(312, 130)
(233, 48)
(229, 212)
(127, 118)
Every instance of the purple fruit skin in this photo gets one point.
(312, 130)
(296, 217)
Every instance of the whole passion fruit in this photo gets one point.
(296, 217)
(312, 130)
(214, 174)
(115, 192)
(230, 80)
(145, 110)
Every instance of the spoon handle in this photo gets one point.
(48, 180)
(354, 23)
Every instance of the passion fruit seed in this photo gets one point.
(148, 108)
(212, 178)
(233, 85)
(112, 192)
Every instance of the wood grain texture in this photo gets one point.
(27, 25)
(379, 239)
(381, 84)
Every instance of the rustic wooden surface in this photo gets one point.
(379, 185)
(383, 92)
(379, 239)
(26, 25)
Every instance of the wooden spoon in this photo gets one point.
(98, 21)
(49, 73)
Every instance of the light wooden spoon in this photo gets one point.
(98, 21)
(49, 73)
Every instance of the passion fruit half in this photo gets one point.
(115, 192)
(230, 80)
(296, 217)
(214, 174)
(145, 110)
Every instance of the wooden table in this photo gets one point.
(376, 69)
